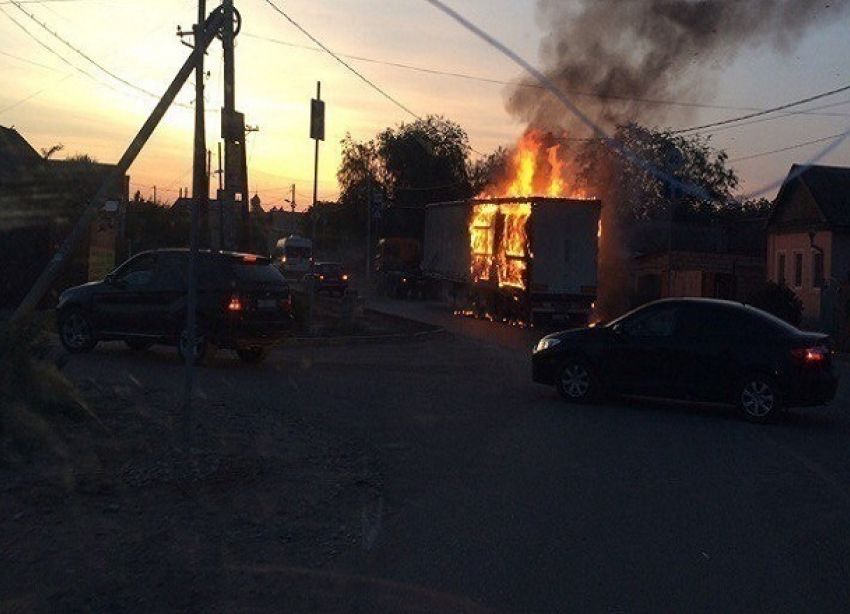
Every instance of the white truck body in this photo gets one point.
(559, 262)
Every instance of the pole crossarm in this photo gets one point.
(212, 26)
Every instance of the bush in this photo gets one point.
(779, 300)
(33, 394)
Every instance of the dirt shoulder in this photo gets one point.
(120, 516)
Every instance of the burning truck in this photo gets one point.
(529, 260)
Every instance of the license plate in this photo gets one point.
(266, 303)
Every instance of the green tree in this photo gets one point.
(625, 182)
(405, 168)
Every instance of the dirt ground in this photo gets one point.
(122, 517)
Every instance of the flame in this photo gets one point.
(499, 242)
(538, 167)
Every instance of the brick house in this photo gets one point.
(808, 240)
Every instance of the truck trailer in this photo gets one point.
(530, 260)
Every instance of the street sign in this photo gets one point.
(317, 119)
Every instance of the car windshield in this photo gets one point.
(452, 342)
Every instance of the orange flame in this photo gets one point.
(537, 167)
(499, 243)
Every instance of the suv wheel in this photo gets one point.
(201, 345)
(252, 355)
(75, 331)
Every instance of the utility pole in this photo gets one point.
(200, 192)
(233, 132)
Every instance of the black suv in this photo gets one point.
(244, 304)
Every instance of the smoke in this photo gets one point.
(625, 60)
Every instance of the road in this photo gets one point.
(497, 496)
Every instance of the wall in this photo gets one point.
(790, 244)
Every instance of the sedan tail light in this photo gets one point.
(812, 355)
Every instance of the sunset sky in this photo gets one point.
(87, 73)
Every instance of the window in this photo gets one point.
(780, 268)
(655, 322)
(817, 268)
(136, 273)
(798, 269)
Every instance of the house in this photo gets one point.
(40, 200)
(717, 260)
(808, 236)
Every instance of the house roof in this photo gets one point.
(827, 186)
(15, 153)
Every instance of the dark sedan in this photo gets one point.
(692, 349)
(328, 277)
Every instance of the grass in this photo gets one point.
(35, 397)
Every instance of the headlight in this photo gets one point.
(545, 343)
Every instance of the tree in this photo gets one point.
(405, 168)
(621, 177)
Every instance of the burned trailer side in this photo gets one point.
(514, 259)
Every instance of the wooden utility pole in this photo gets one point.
(233, 133)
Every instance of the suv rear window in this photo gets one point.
(259, 271)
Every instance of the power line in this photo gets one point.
(490, 80)
(25, 60)
(764, 112)
(31, 96)
(85, 56)
(341, 61)
(82, 54)
(789, 148)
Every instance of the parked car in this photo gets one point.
(692, 349)
(328, 277)
(244, 304)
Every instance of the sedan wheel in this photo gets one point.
(758, 399)
(75, 332)
(576, 382)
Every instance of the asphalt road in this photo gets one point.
(497, 496)
(631, 507)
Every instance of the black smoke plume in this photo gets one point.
(624, 60)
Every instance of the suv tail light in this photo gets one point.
(235, 303)
(812, 355)
(286, 303)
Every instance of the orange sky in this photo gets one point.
(63, 96)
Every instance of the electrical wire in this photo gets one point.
(789, 148)
(478, 78)
(341, 61)
(16, 4)
(99, 66)
(31, 96)
(789, 105)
